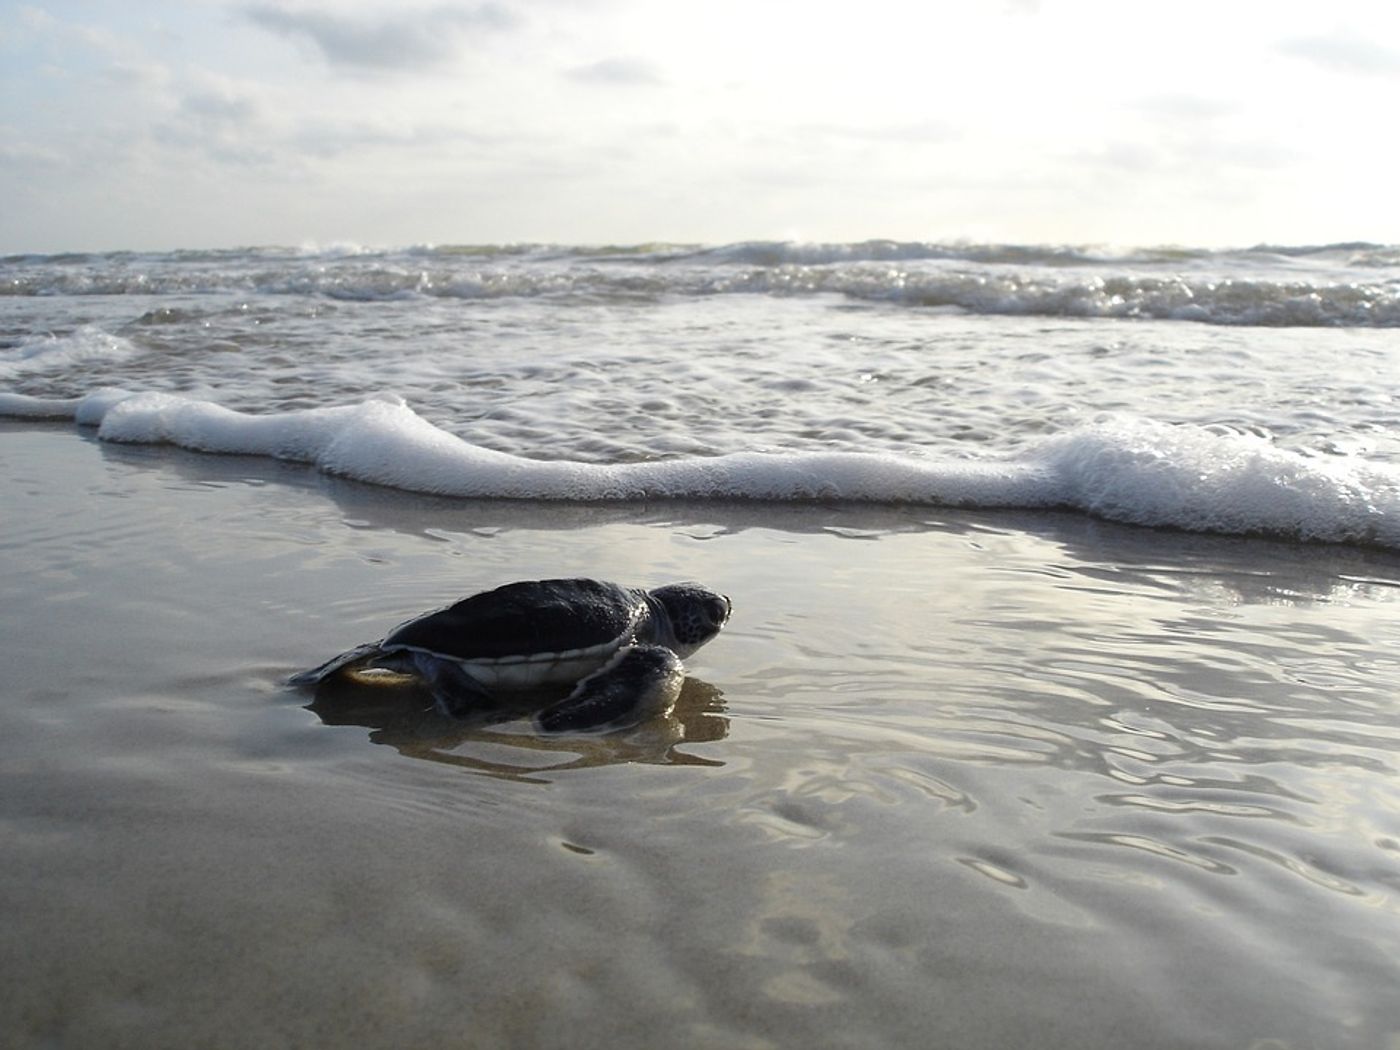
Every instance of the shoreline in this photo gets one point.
(970, 778)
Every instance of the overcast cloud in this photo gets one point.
(618, 71)
(199, 123)
(400, 38)
(1346, 53)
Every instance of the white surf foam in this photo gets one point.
(83, 346)
(1207, 480)
(1120, 468)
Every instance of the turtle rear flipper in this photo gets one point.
(455, 692)
(641, 681)
(351, 659)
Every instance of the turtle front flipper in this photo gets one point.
(640, 682)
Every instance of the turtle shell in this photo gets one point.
(528, 632)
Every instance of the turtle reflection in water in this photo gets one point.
(622, 646)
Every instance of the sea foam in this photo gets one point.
(1120, 468)
(83, 346)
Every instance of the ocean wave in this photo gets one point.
(1329, 286)
(84, 346)
(1172, 297)
(788, 253)
(1120, 468)
(1360, 254)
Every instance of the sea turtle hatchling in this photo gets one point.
(623, 647)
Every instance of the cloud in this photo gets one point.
(136, 75)
(1183, 107)
(26, 155)
(1203, 154)
(620, 71)
(404, 40)
(1344, 53)
(35, 18)
(219, 108)
(222, 121)
(329, 139)
(915, 133)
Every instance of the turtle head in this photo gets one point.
(693, 615)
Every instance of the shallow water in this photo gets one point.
(973, 780)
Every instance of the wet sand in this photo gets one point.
(946, 780)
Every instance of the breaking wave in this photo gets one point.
(1123, 469)
(1332, 285)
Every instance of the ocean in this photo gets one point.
(1058, 706)
(1241, 392)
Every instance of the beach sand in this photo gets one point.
(947, 779)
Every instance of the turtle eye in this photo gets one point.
(718, 610)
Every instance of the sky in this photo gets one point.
(161, 124)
